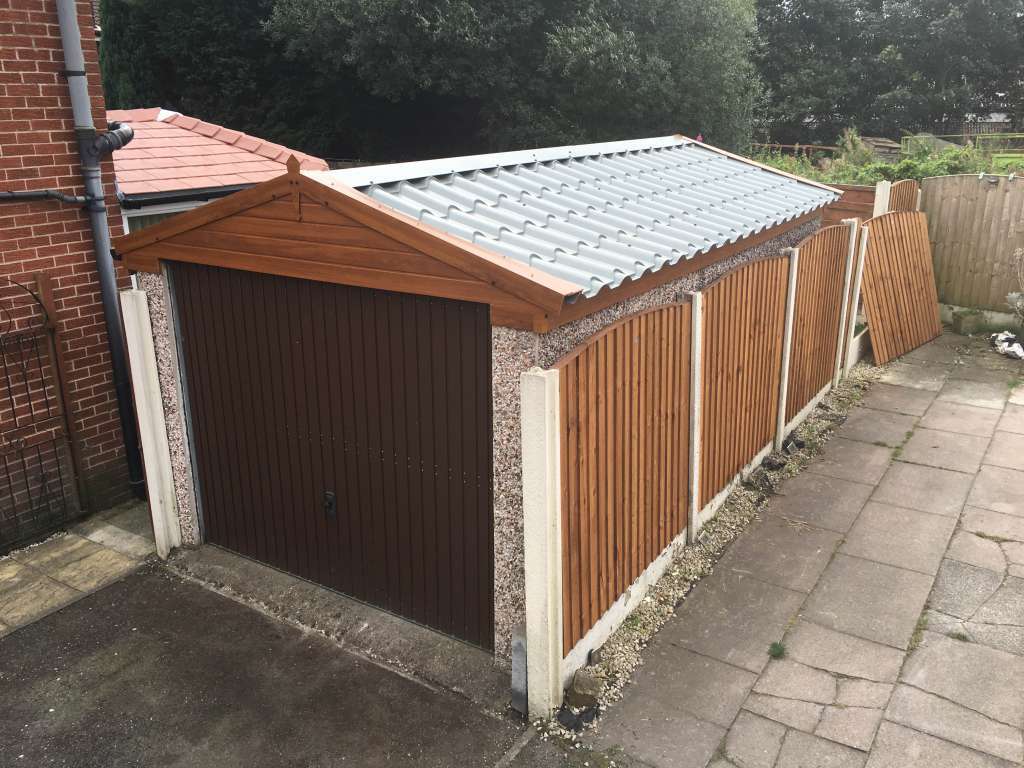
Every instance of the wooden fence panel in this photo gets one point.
(817, 315)
(744, 321)
(899, 285)
(625, 411)
(903, 195)
(857, 202)
(975, 226)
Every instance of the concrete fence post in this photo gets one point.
(851, 258)
(787, 347)
(858, 277)
(542, 534)
(883, 195)
(696, 398)
(156, 452)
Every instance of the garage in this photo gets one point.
(345, 437)
(334, 359)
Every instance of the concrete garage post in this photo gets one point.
(156, 452)
(696, 398)
(542, 532)
(787, 347)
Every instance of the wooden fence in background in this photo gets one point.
(817, 315)
(744, 315)
(975, 225)
(899, 285)
(625, 406)
(857, 202)
(904, 195)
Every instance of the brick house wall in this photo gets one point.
(38, 151)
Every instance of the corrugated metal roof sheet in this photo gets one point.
(594, 215)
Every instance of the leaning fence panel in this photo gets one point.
(625, 456)
(899, 284)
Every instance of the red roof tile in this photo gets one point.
(173, 152)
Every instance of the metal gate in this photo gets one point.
(344, 435)
(37, 462)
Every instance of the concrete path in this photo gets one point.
(892, 572)
(157, 671)
(42, 578)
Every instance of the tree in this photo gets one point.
(404, 79)
(886, 67)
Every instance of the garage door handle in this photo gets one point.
(330, 505)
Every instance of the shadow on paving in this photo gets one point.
(158, 672)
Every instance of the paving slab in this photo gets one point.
(660, 737)
(915, 375)
(94, 570)
(999, 489)
(754, 742)
(863, 693)
(1002, 638)
(928, 489)
(935, 353)
(852, 460)
(115, 538)
(1014, 551)
(131, 517)
(782, 553)
(853, 726)
(1006, 606)
(57, 552)
(796, 714)
(908, 400)
(983, 394)
(1006, 450)
(733, 617)
(961, 589)
(931, 714)
(975, 550)
(946, 450)
(901, 537)
(870, 600)
(801, 750)
(844, 654)
(790, 680)
(673, 678)
(996, 525)
(877, 427)
(1017, 395)
(974, 676)
(990, 372)
(1012, 419)
(820, 500)
(899, 747)
(956, 417)
(28, 594)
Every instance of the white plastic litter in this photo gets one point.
(1008, 344)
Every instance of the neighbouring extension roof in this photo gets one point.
(594, 215)
(172, 152)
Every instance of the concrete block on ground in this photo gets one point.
(790, 680)
(802, 715)
(844, 654)
(801, 750)
(961, 589)
(754, 742)
(870, 600)
(782, 553)
(946, 450)
(853, 726)
(1012, 419)
(982, 394)
(1006, 450)
(886, 397)
(901, 537)
(948, 416)
(975, 550)
(820, 500)
(899, 747)
(852, 460)
(870, 426)
(928, 489)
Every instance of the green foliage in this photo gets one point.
(904, 65)
(854, 164)
(402, 79)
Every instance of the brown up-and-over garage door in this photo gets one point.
(344, 435)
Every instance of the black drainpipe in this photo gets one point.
(92, 147)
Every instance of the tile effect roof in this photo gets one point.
(172, 152)
(595, 215)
